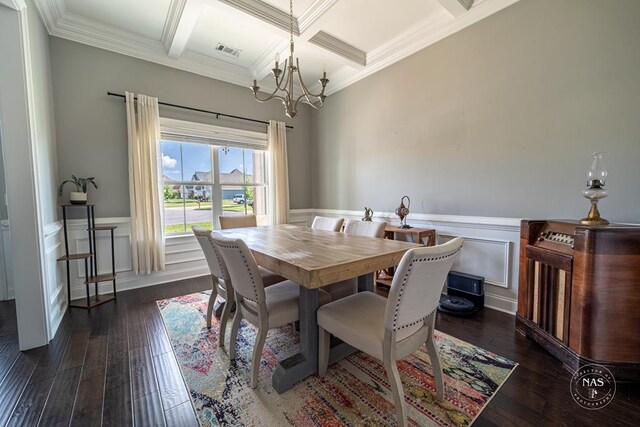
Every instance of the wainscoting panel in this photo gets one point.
(183, 258)
(55, 280)
(7, 261)
(484, 257)
(490, 250)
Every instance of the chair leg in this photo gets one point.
(434, 357)
(324, 347)
(226, 312)
(234, 333)
(396, 388)
(212, 300)
(257, 355)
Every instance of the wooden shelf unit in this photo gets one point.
(423, 236)
(90, 260)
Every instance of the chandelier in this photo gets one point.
(284, 82)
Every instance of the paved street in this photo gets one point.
(175, 215)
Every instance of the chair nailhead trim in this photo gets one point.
(404, 281)
(253, 283)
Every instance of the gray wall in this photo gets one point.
(92, 130)
(44, 123)
(499, 119)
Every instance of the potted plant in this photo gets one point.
(78, 197)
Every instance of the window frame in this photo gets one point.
(216, 137)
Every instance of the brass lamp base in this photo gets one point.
(593, 218)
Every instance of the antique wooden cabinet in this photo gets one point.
(579, 293)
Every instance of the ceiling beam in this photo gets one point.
(265, 12)
(181, 21)
(340, 48)
(313, 13)
(456, 7)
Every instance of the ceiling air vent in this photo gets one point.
(228, 50)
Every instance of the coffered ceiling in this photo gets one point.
(237, 40)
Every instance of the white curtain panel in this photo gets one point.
(147, 239)
(278, 172)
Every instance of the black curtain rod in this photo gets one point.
(166, 104)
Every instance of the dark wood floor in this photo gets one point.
(114, 366)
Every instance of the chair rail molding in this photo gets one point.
(491, 247)
(491, 251)
(184, 257)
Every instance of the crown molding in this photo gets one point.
(262, 66)
(14, 4)
(186, 24)
(456, 7)
(50, 11)
(337, 46)
(313, 13)
(418, 37)
(171, 23)
(61, 23)
(266, 13)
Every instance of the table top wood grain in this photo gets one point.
(315, 258)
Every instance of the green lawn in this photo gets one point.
(179, 228)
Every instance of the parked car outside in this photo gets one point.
(238, 198)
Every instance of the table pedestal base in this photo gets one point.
(305, 363)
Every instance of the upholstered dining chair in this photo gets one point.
(391, 329)
(327, 224)
(354, 227)
(221, 282)
(266, 308)
(237, 221)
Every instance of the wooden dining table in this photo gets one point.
(313, 259)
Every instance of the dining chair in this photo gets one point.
(237, 221)
(354, 227)
(327, 224)
(391, 329)
(221, 282)
(242, 221)
(266, 308)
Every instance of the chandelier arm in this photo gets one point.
(305, 100)
(305, 90)
(271, 96)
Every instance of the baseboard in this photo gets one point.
(500, 303)
(132, 281)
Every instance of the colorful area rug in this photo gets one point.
(354, 392)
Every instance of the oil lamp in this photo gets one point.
(595, 190)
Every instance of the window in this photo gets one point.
(205, 176)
